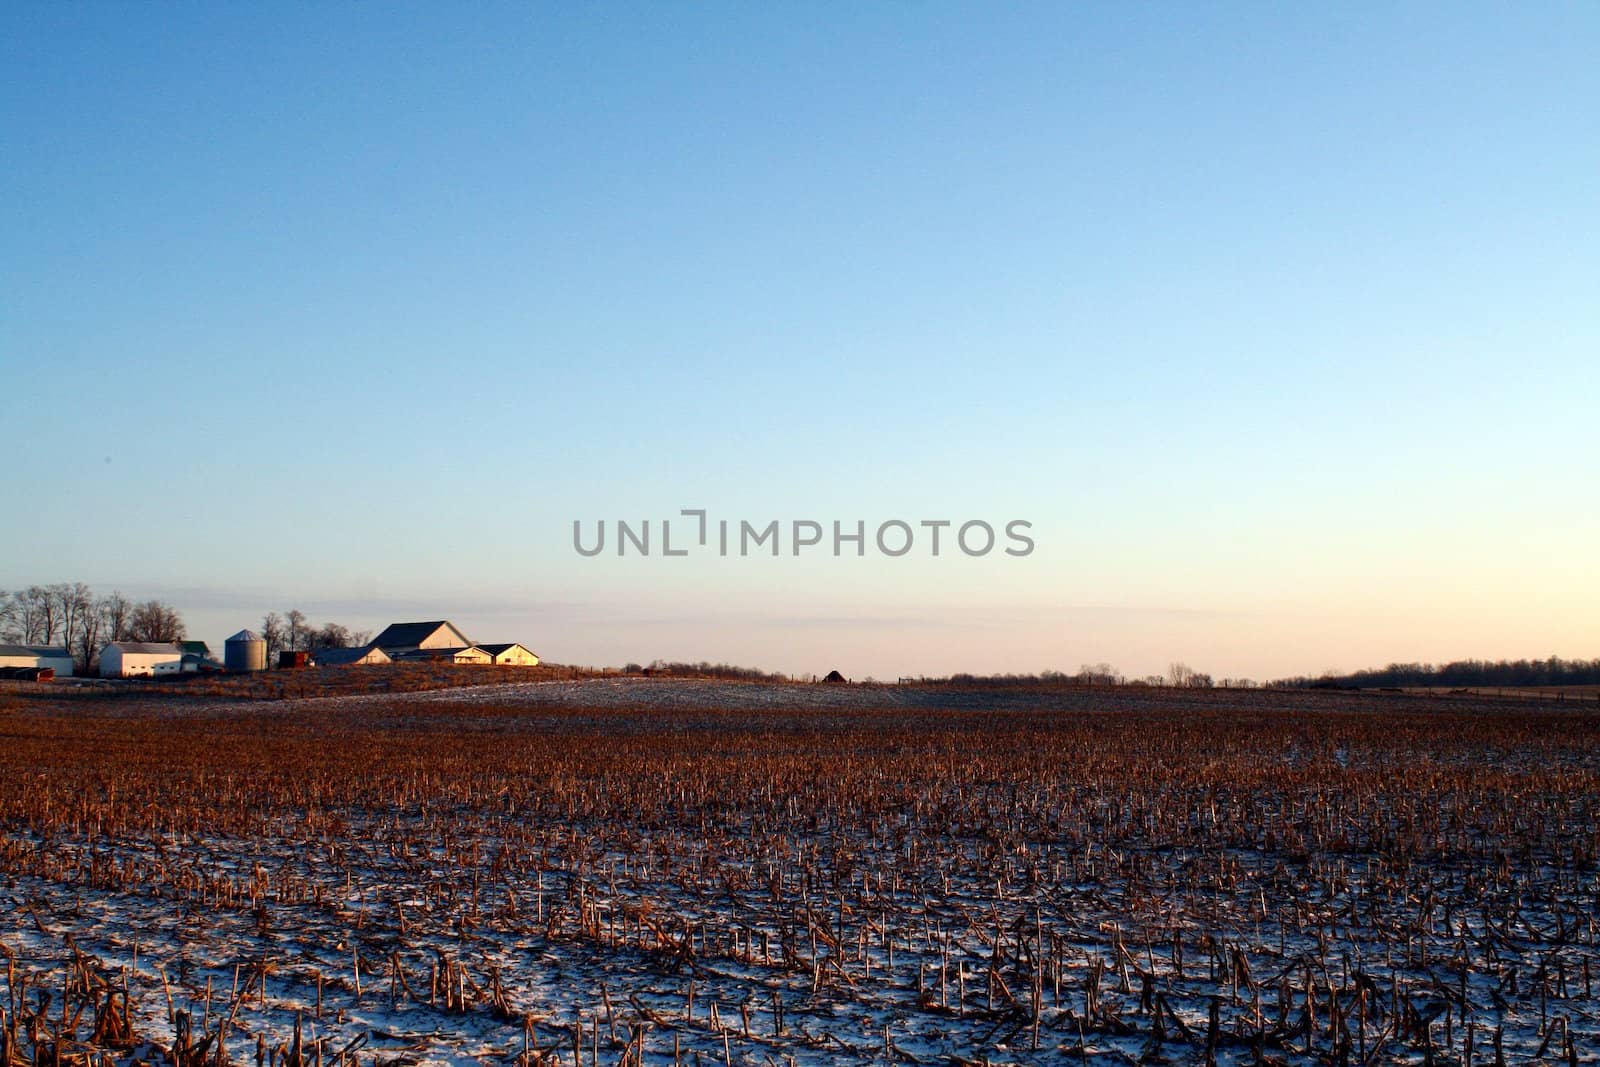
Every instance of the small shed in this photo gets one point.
(290, 660)
(835, 678)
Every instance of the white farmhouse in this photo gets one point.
(135, 659)
(56, 659)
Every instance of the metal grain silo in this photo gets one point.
(245, 651)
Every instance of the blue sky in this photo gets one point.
(1278, 324)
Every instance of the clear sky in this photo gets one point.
(1280, 323)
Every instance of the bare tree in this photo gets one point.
(74, 602)
(1179, 674)
(8, 618)
(155, 621)
(272, 632)
(299, 633)
(89, 630)
(35, 616)
(1098, 674)
(115, 611)
(331, 635)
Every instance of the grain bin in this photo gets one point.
(245, 651)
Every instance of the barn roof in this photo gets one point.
(146, 648)
(410, 634)
(34, 650)
(332, 657)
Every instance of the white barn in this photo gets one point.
(511, 655)
(57, 659)
(411, 636)
(136, 659)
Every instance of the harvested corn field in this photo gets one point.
(561, 876)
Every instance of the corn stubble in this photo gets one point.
(1299, 884)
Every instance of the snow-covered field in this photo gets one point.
(656, 871)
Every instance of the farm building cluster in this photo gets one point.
(246, 651)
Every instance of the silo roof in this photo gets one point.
(244, 635)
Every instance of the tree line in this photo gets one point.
(292, 632)
(704, 669)
(1179, 675)
(70, 615)
(1504, 673)
(73, 616)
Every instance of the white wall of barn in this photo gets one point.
(114, 663)
(60, 662)
(446, 636)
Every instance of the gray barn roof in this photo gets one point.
(410, 634)
(146, 647)
(35, 650)
(332, 657)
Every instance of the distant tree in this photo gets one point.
(155, 621)
(115, 612)
(89, 631)
(34, 621)
(1179, 674)
(331, 635)
(8, 618)
(1098, 674)
(48, 609)
(273, 633)
(297, 631)
(74, 603)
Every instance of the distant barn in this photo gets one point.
(37, 657)
(835, 678)
(404, 637)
